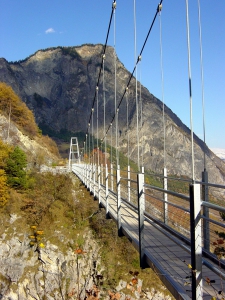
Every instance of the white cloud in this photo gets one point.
(49, 30)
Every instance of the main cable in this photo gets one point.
(104, 50)
(138, 58)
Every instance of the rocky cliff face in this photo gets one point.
(59, 84)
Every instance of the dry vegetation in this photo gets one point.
(59, 203)
(11, 106)
(16, 111)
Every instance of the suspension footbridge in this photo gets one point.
(175, 224)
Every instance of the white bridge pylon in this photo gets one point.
(74, 156)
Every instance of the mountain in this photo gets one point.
(59, 84)
(219, 152)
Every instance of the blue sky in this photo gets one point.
(27, 26)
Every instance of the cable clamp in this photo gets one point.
(103, 56)
(114, 5)
(159, 8)
(139, 58)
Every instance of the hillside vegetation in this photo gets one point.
(54, 209)
(13, 107)
(16, 112)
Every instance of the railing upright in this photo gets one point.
(119, 225)
(101, 174)
(106, 191)
(99, 185)
(88, 176)
(205, 197)
(128, 183)
(91, 177)
(111, 177)
(196, 241)
(94, 180)
(141, 210)
(165, 204)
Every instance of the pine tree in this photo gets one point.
(16, 169)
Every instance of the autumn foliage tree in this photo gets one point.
(4, 153)
(4, 191)
(11, 104)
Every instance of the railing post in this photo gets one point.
(101, 174)
(94, 180)
(111, 177)
(128, 185)
(165, 204)
(92, 175)
(196, 240)
(85, 174)
(99, 185)
(119, 225)
(88, 176)
(205, 197)
(106, 191)
(141, 210)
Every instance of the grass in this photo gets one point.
(119, 257)
(71, 219)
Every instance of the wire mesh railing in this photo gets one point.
(190, 213)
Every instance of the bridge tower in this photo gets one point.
(74, 156)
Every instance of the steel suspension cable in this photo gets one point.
(136, 97)
(132, 74)
(97, 124)
(86, 141)
(104, 50)
(190, 89)
(92, 126)
(115, 85)
(128, 150)
(141, 117)
(202, 79)
(103, 83)
(117, 146)
(162, 83)
(111, 144)
(89, 141)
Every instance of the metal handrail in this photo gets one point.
(182, 196)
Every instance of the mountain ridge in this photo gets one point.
(59, 85)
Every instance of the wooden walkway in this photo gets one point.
(167, 255)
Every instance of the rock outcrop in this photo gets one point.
(59, 85)
(28, 273)
(32, 273)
